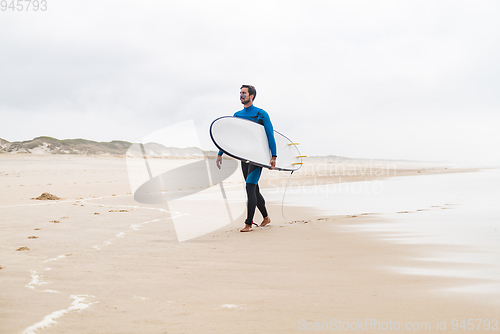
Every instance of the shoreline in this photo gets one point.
(130, 274)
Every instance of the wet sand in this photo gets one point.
(103, 263)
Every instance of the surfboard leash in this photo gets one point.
(284, 193)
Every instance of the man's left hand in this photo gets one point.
(272, 163)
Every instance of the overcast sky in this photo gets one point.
(372, 79)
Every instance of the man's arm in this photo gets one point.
(218, 162)
(272, 162)
(268, 126)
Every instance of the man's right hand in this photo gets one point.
(219, 161)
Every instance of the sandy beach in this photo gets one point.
(97, 261)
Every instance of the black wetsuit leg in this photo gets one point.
(255, 198)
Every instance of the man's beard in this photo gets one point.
(245, 101)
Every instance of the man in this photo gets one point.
(251, 173)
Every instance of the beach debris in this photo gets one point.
(37, 229)
(96, 213)
(32, 237)
(47, 197)
(118, 210)
(232, 306)
(54, 221)
(22, 248)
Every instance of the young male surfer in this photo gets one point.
(251, 172)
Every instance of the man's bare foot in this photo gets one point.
(265, 222)
(247, 228)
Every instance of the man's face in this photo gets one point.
(244, 96)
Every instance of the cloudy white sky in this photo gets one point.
(373, 79)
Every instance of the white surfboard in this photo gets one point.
(246, 140)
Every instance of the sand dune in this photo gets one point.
(49, 145)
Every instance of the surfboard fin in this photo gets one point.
(301, 156)
(297, 163)
(293, 144)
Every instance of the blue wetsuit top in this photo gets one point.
(260, 116)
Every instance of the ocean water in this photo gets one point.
(460, 210)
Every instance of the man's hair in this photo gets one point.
(251, 90)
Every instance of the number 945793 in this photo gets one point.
(23, 5)
(474, 324)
